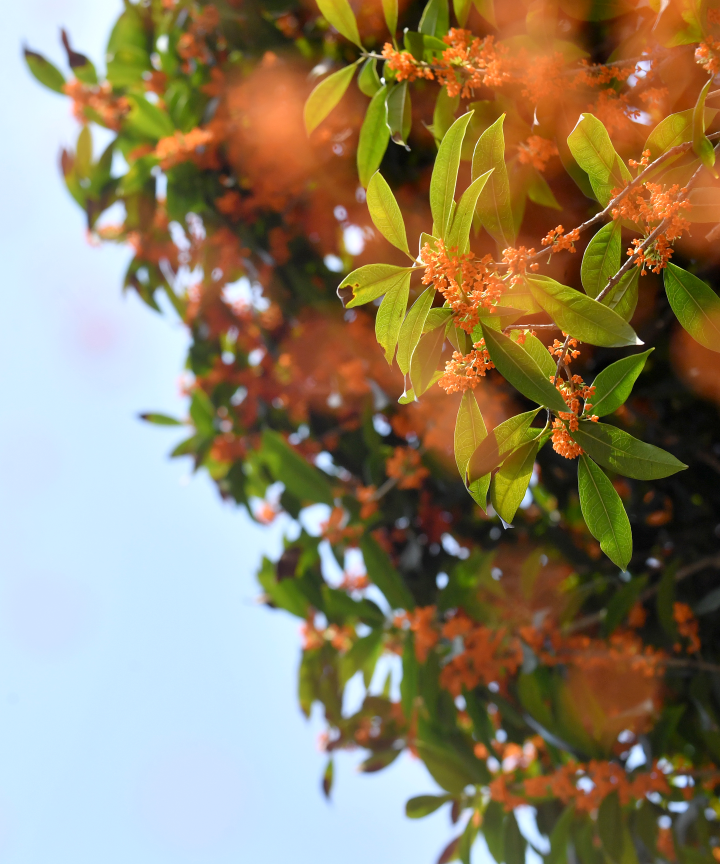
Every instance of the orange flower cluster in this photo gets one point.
(688, 627)
(194, 146)
(464, 371)
(405, 465)
(97, 99)
(466, 282)
(422, 624)
(313, 638)
(572, 392)
(368, 503)
(707, 55)
(192, 45)
(537, 151)
(559, 240)
(336, 530)
(517, 262)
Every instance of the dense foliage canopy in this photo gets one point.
(520, 481)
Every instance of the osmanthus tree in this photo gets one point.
(552, 605)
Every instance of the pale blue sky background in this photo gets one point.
(147, 704)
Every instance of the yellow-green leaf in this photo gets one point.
(498, 444)
(618, 451)
(470, 430)
(339, 13)
(695, 304)
(601, 259)
(412, 328)
(593, 150)
(369, 282)
(326, 96)
(444, 175)
(425, 360)
(44, 71)
(374, 137)
(462, 221)
(399, 113)
(368, 80)
(390, 10)
(494, 206)
(390, 315)
(701, 143)
(614, 384)
(385, 212)
(705, 204)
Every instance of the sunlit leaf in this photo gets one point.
(399, 113)
(614, 384)
(374, 137)
(705, 204)
(499, 443)
(462, 10)
(385, 212)
(593, 150)
(494, 207)
(510, 484)
(671, 131)
(623, 297)
(412, 328)
(339, 13)
(604, 513)
(702, 145)
(390, 316)
(618, 451)
(601, 259)
(540, 354)
(390, 10)
(326, 96)
(462, 221)
(368, 80)
(369, 282)
(695, 304)
(444, 175)
(470, 430)
(44, 71)
(425, 360)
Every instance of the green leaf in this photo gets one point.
(705, 205)
(378, 761)
(593, 150)
(540, 355)
(368, 79)
(327, 780)
(374, 137)
(462, 221)
(623, 297)
(604, 513)
(360, 653)
(486, 8)
(369, 282)
(695, 304)
(494, 207)
(444, 175)
(83, 153)
(539, 191)
(614, 384)
(514, 363)
(327, 94)
(436, 317)
(620, 452)
(702, 145)
(425, 359)
(493, 821)
(300, 478)
(444, 113)
(339, 13)
(514, 842)
(412, 328)
(469, 431)
(673, 130)
(519, 296)
(435, 20)
(382, 574)
(601, 259)
(510, 484)
(559, 837)
(385, 212)
(399, 113)
(499, 443)
(44, 71)
(581, 316)
(390, 9)
(424, 805)
(610, 826)
(148, 120)
(462, 10)
(160, 420)
(390, 316)
(621, 603)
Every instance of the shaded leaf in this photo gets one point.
(695, 304)
(425, 360)
(385, 212)
(300, 478)
(510, 484)
(368, 80)
(621, 603)
(327, 780)
(374, 137)
(514, 842)
(604, 513)
(378, 761)
(327, 94)
(424, 805)
(160, 420)
(399, 113)
(498, 445)
(435, 20)
(617, 450)
(610, 826)
(702, 145)
(469, 431)
(705, 204)
(412, 328)
(614, 384)
(623, 297)
(383, 574)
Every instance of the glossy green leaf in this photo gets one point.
(390, 10)
(383, 574)
(540, 354)
(705, 202)
(385, 212)
(374, 137)
(581, 316)
(369, 282)
(494, 207)
(444, 175)
(610, 826)
(339, 13)
(390, 316)
(368, 80)
(412, 328)
(300, 478)
(618, 451)
(593, 150)
(604, 513)
(470, 430)
(326, 96)
(399, 113)
(695, 304)
(514, 363)
(425, 360)
(701, 144)
(44, 71)
(623, 297)
(462, 221)
(601, 259)
(435, 20)
(614, 384)
(519, 296)
(424, 805)
(510, 484)
(498, 444)
(83, 153)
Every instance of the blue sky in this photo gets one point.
(147, 703)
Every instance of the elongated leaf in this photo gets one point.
(435, 19)
(695, 304)
(623, 297)
(390, 316)
(300, 478)
(604, 513)
(519, 296)
(444, 114)
(601, 259)
(610, 826)
(673, 130)
(701, 143)
(618, 451)
(444, 175)
(539, 192)
(381, 573)
(44, 71)
(160, 420)
(399, 113)
(559, 837)
(368, 80)
(149, 120)
(493, 824)
(514, 842)
(614, 384)
(470, 430)
(412, 328)
(425, 360)
(581, 316)
(514, 363)
(424, 805)
(540, 355)
(486, 8)
(369, 282)
(390, 10)
(385, 212)
(326, 96)
(462, 10)
(705, 204)
(494, 207)
(374, 137)
(593, 150)
(498, 444)
(510, 484)
(462, 221)
(339, 13)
